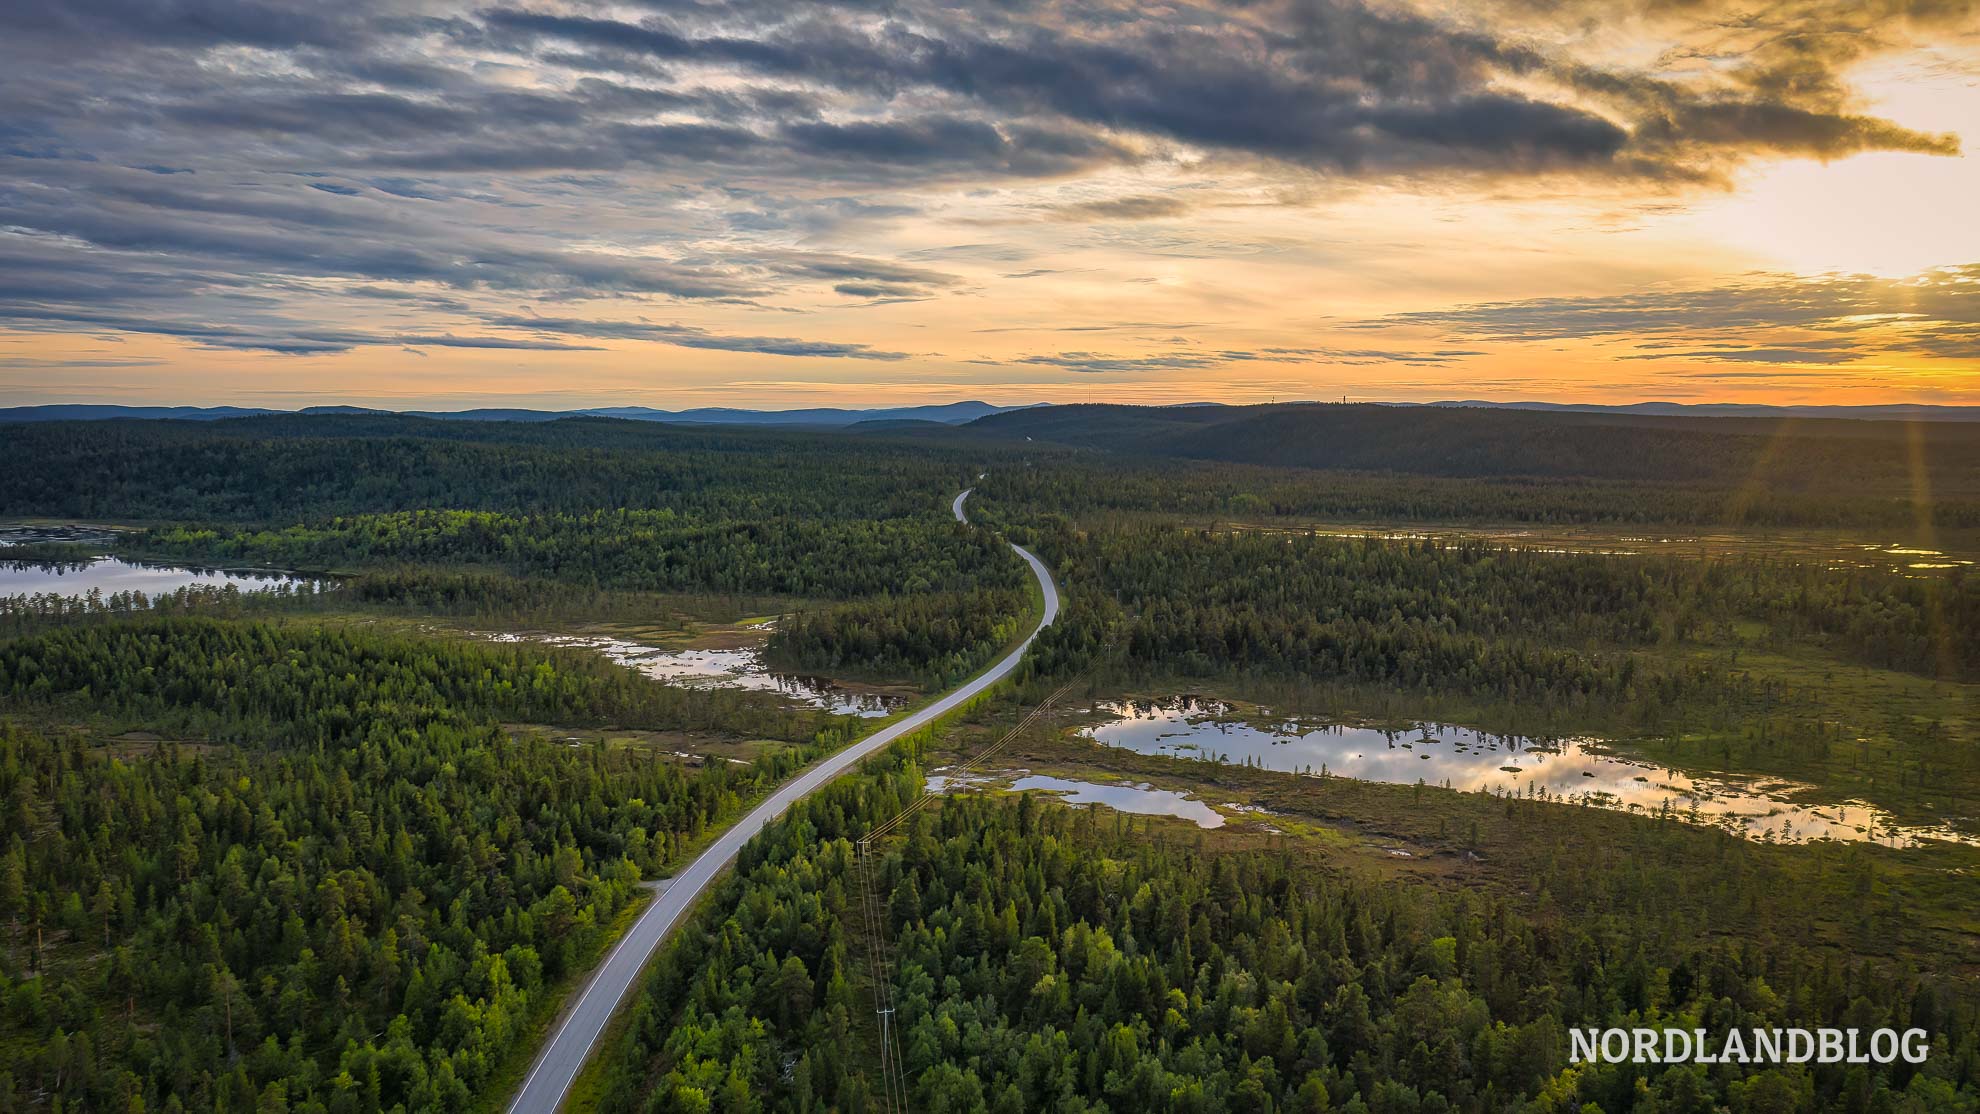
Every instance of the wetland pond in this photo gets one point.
(110, 576)
(1141, 799)
(736, 667)
(1572, 771)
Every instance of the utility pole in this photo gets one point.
(893, 1073)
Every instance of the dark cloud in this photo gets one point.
(1330, 83)
(959, 141)
(333, 116)
(273, 232)
(262, 335)
(523, 26)
(1122, 208)
(878, 290)
(104, 25)
(1793, 130)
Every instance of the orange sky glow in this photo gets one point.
(569, 204)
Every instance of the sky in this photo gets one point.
(769, 203)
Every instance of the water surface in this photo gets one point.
(741, 668)
(110, 576)
(1142, 800)
(1574, 771)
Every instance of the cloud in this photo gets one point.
(1741, 376)
(1121, 208)
(688, 336)
(891, 290)
(1793, 130)
(1096, 363)
(106, 25)
(1327, 83)
(1358, 357)
(1101, 362)
(837, 266)
(271, 231)
(37, 364)
(1770, 318)
(263, 335)
(254, 173)
(954, 141)
(1797, 355)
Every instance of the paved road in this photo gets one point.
(577, 1035)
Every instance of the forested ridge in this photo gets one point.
(1823, 456)
(618, 505)
(282, 470)
(1213, 601)
(356, 907)
(642, 550)
(483, 596)
(1095, 485)
(1053, 959)
(304, 683)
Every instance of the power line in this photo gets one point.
(893, 1072)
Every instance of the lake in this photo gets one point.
(112, 575)
(1572, 771)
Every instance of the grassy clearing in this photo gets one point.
(1897, 552)
(686, 747)
(1907, 743)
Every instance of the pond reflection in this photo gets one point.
(110, 576)
(1142, 800)
(741, 668)
(1573, 771)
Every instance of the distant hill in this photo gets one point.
(87, 412)
(957, 413)
(818, 417)
(953, 413)
(1784, 453)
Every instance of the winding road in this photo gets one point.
(578, 1032)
